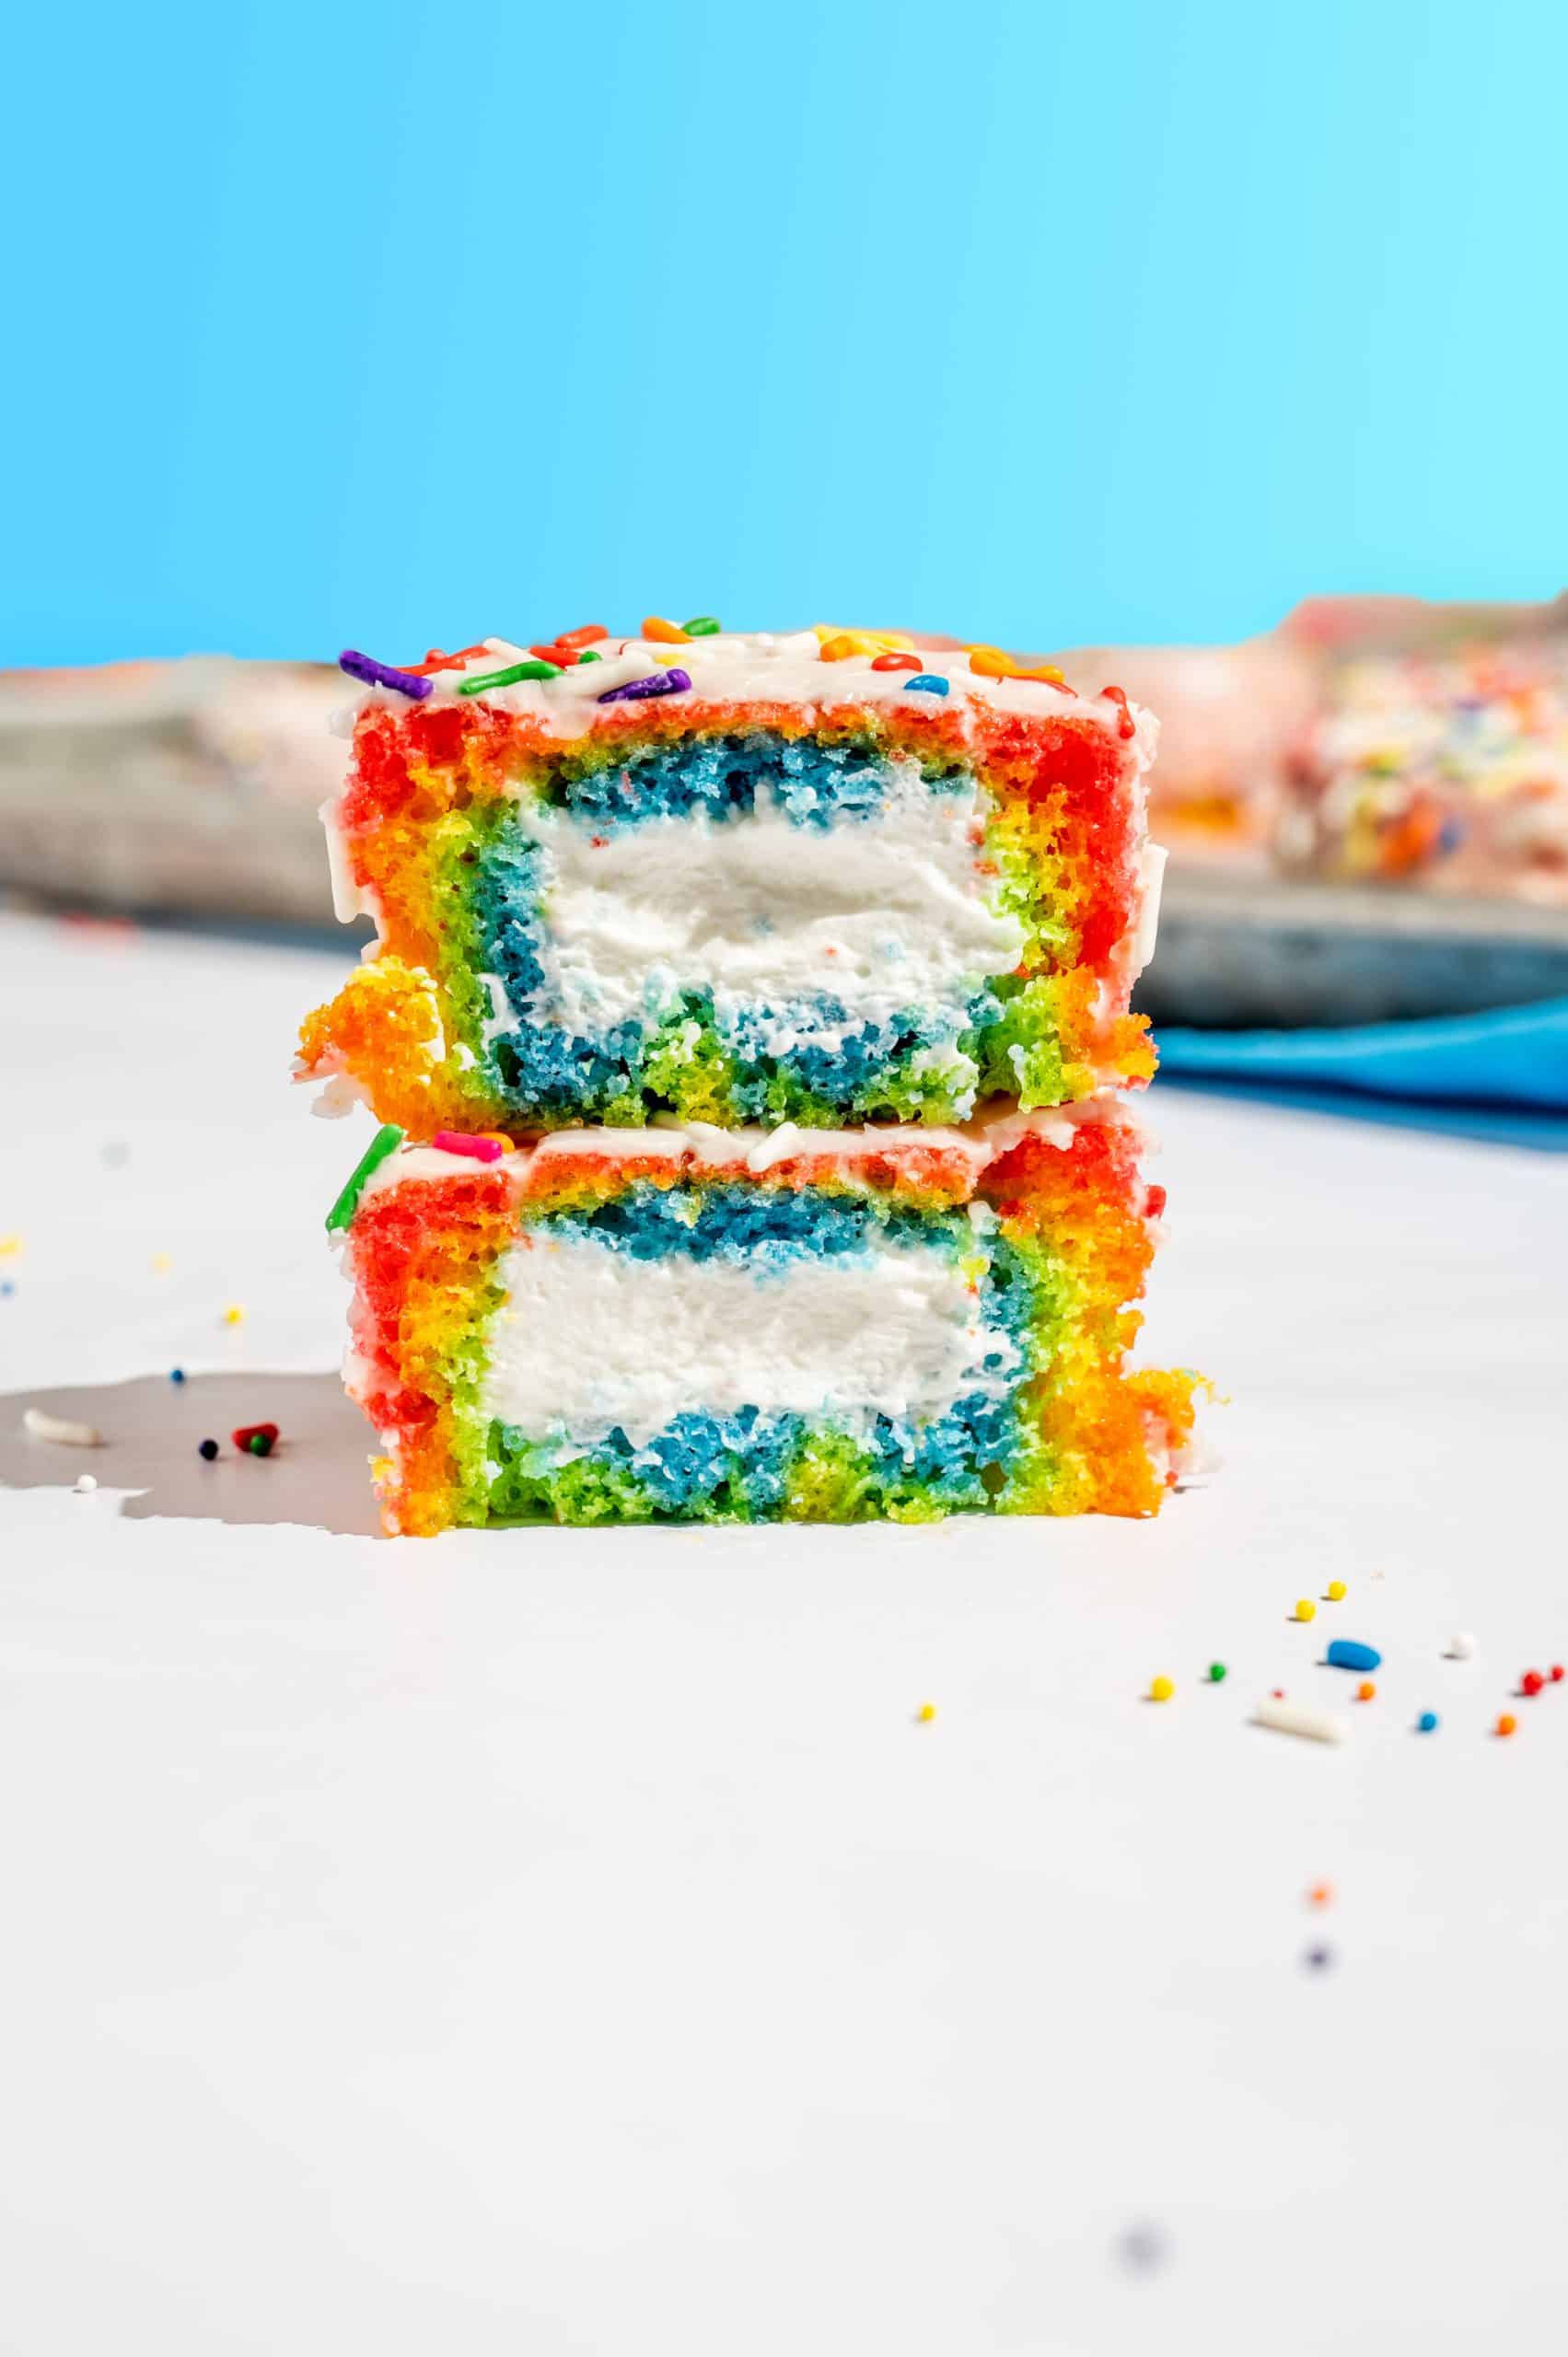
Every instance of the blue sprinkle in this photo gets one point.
(7, 1287)
(929, 681)
(176, 1374)
(1426, 1723)
(1344, 1653)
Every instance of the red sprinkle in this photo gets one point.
(436, 661)
(899, 661)
(1126, 726)
(588, 636)
(564, 656)
(1532, 1681)
(1557, 1673)
(478, 1149)
(245, 1433)
(1154, 1204)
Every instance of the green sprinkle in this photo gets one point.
(1216, 1673)
(509, 678)
(703, 627)
(589, 655)
(385, 1141)
(259, 1444)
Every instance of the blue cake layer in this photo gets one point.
(707, 1466)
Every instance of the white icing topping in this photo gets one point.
(882, 911)
(590, 1338)
(1152, 874)
(757, 664)
(348, 900)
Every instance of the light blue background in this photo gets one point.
(402, 324)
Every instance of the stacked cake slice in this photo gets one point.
(744, 1015)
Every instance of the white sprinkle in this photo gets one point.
(1294, 1718)
(85, 1483)
(43, 1427)
(1461, 1646)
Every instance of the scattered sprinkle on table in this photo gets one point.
(1461, 1646)
(1321, 1893)
(64, 1431)
(1319, 1958)
(925, 1714)
(1346, 1654)
(1337, 1591)
(1507, 1724)
(85, 1484)
(233, 1315)
(1557, 1673)
(176, 1374)
(1365, 1691)
(10, 1246)
(1427, 1722)
(1531, 1682)
(255, 1440)
(208, 1449)
(1295, 1718)
(1161, 1688)
(162, 1264)
(1305, 1609)
(1216, 1673)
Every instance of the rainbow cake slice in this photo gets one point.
(684, 1323)
(818, 878)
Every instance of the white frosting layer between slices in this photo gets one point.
(881, 912)
(590, 1338)
(702, 1145)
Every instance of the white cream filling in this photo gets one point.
(591, 1340)
(880, 913)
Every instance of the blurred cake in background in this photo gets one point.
(163, 789)
(1435, 755)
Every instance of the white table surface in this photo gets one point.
(539, 1942)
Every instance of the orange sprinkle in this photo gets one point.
(589, 635)
(1365, 1690)
(562, 656)
(1506, 1723)
(1321, 1893)
(663, 633)
(990, 663)
(845, 643)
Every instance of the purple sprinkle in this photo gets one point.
(382, 675)
(662, 683)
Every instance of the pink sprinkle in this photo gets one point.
(477, 1149)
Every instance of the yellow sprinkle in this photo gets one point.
(1161, 1688)
(233, 1313)
(1336, 1591)
(9, 1247)
(162, 1264)
(990, 663)
(925, 1714)
(845, 643)
(1305, 1609)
